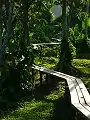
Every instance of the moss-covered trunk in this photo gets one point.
(65, 53)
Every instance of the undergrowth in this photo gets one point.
(83, 67)
(42, 106)
(38, 107)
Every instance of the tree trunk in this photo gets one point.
(0, 31)
(25, 22)
(26, 42)
(86, 31)
(8, 31)
(65, 54)
(70, 13)
(9, 26)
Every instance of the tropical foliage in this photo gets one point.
(23, 23)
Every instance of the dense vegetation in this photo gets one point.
(50, 103)
(25, 23)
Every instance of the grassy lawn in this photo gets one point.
(39, 107)
(48, 103)
(31, 110)
(48, 62)
(83, 67)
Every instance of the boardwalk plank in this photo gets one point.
(80, 97)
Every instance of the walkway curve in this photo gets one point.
(80, 98)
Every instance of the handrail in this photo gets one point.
(52, 43)
(80, 98)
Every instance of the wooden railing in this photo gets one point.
(80, 98)
(52, 43)
(44, 44)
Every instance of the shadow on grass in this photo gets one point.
(39, 107)
(78, 73)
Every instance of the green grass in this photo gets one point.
(83, 65)
(34, 110)
(55, 94)
(48, 62)
(41, 107)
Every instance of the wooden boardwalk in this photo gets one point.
(44, 44)
(80, 98)
(52, 43)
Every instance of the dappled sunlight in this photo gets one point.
(35, 110)
(41, 107)
(39, 41)
(83, 67)
(81, 62)
(55, 94)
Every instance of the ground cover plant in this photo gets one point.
(48, 103)
(24, 23)
(41, 106)
(83, 70)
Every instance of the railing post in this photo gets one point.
(33, 81)
(40, 78)
(67, 93)
(71, 111)
(47, 79)
(40, 55)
